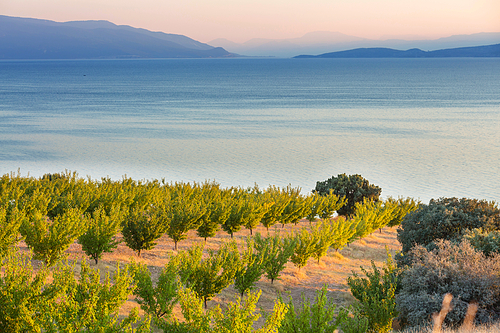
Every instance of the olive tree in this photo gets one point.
(353, 188)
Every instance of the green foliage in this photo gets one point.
(455, 268)
(158, 300)
(251, 269)
(101, 233)
(239, 316)
(370, 216)
(209, 276)
(313, 318)
(376, 295)
(10, 222)
(255, 209)
(298, 206)
(355, 323)
(278, 200)
(218, 210)
(141, 229)
(50, 238)
(353, 188)
(447, 218)
(330, 233)
(402, 208)
(275, 251)
(486, 242)
(185, 212)
(30, 304)
(235, 220)
(331, 204)
(305, 248)
(343, 231)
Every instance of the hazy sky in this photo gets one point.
(241, 20)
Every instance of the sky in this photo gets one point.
(242, 20)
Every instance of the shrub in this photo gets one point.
(318, 317)
(487, 242)
(447, 218)
(376, 295)
(458, 269)
(353, 188)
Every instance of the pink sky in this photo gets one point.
(241, 20)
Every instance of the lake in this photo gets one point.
(424, 128)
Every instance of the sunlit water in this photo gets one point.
(424, 128)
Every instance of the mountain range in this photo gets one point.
(323, 42)
(27, 38)
(378, 52)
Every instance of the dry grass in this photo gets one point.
(332, 270)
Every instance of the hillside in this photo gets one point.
(477, 51)
(26, 38)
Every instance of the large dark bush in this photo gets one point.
(353, 188)
(447, 218)
(453, 268)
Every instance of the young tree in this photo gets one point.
(402, 208)
(353, 188)
(370, 216)
(208, 277)
(376, 295)
(254, 211)
(50, 238)
(276, 251)
(101, 233)
(238, 317)
(324, 234)
(251, 269)
(306, 245)
(318, 204)
(278, 200)
(297, 208)
(32, 304)
(235, 219)
(343, 231)
(318, 317)
(141, 229)
(10, 222)
(157, 300)
(218, 209)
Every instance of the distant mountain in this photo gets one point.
(27, 38)
(322, 42)
(475, 51)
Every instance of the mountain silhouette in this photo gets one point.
(27, 38)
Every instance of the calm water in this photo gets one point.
(424, 128)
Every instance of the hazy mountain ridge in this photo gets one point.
(475, 51)
(324, 42)
(27, 38)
